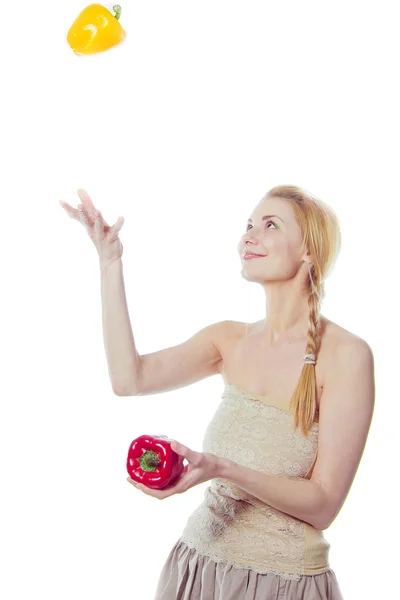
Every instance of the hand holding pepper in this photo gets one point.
(201, 467)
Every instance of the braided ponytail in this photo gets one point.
(321, 237)
(304, 399)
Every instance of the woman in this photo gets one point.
(283, 448)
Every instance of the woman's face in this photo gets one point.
(273, 232)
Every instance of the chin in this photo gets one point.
(252, 278)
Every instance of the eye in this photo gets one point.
(266, 224)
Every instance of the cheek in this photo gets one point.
(293, 260)
(277, 247)
(285, 257)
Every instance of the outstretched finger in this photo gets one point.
(87, 202)
(103, 224)
(71, 212)
(115, 229)
(86, 216)
(83, 219)
(98, 224)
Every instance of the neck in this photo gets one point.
(287, 313)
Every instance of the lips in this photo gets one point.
(248, 255)
(252, 256)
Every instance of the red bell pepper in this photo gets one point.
(152, 462)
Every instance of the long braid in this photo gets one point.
(305, 397)
(314, 304)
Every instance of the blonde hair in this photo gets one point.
(321, 237)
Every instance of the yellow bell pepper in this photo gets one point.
(95, 30)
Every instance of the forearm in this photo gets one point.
(300, 498)
(122, 357)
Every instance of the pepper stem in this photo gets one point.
(117, 9)
(149, 461)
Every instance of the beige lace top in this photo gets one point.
(234, 526)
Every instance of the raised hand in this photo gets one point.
(104, 237)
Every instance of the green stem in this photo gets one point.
(117, 9)
(149, 461)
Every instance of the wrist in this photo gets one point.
(107, 265)
(224, 468)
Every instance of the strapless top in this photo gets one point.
(234, 526)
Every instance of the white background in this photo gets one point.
(181, 129)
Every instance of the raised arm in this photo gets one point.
(177, 366)
(132, 374)
(161, 371)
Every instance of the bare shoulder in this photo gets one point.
(336, 335)
(226, 333)
(340, 345)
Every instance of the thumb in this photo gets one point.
(176, 447)
(183, 450)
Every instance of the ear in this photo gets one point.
(307, 258)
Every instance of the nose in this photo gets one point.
(248, 242)
(250, 239)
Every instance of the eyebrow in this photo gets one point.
(267, 217)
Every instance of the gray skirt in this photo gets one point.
(188, 575)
